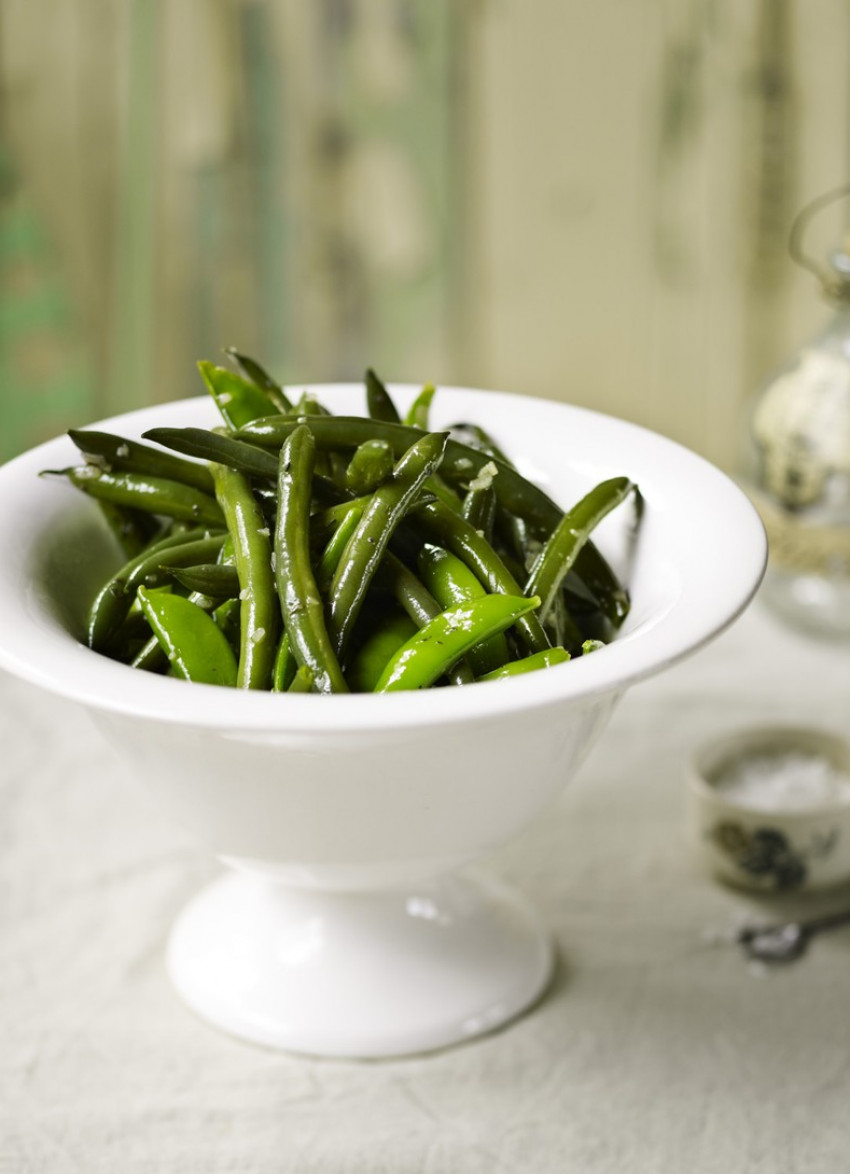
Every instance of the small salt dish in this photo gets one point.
(770, 809)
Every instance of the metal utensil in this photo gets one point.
(789, 940)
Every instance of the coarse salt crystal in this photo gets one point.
(257, 635)
(783, 780)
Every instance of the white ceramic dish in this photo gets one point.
(344, 927)
(803, 848)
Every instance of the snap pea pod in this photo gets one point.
(258, 375)
(196, 648)
(113, 601)
(151, 656)
(300, 600)
(115, 453)
(367, 545)
(240, 455)
(419, 410)
(428, 654)
(528, 664)
(370, 465)
(260, 612)
(285, 664)
(238, 399)
(373, 655)
(452, 583)
(573, 531)
(455, 534)
(379, 402)
(212, 579)
(154, 495)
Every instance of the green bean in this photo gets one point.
(417, 413)
(380, 518)
(115, 453)
(300, 601)
(114, 599)
(196, 649)
(370, 465)
(285, 663)
(259, 613)
(240, 455)
(452, 583)
(479, 509)
(154, 495)
(449, 530)
(134, 529)
(427, 655)
(258, 375)
(379, 402)
(419, 604)
(238, 399)
(212, 579)
(574, 530)
(528, 664)
(373, 655)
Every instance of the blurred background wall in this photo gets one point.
(589, 202)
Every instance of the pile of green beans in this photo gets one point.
(293, 550)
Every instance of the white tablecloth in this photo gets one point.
(655, 1051)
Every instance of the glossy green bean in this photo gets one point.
(367, 545)
(452, 583)
(449, 530)
(419, 411)
(213, 579)
(428, 654)
(379, 403)
(113, 601)
(258, 375)
(154, 495)
(373, 655)
(370, 465)
(244, 457)
(238, 399)
(528, 664)
(260, 613)
(300, 600)
(573, 531)
(117, 454)
(133, 529)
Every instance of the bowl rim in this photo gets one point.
(55, 661)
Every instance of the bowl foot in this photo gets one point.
(358, 974)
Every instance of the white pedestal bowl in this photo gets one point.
(343, 926)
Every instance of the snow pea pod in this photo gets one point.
(528, 664)
(572, 532)
(300, 600)
(428, 654)
(452, 583)
(259, 611)
(116, 453)
(367, 545)
(196, 648)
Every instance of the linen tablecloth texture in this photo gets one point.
(655, 1051)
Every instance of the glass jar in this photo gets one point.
(800, 473)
